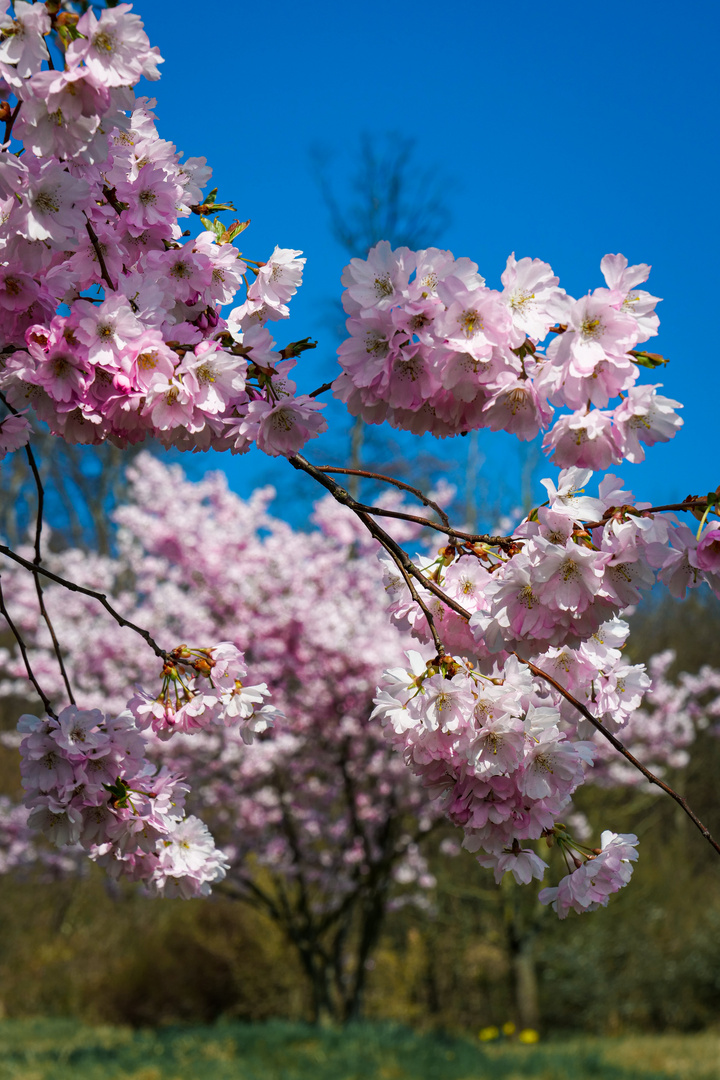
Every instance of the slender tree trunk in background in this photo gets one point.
(526, 984)
(322, 1010)
(530, 460)
(372, 918)
(521, 931)
(356, 442)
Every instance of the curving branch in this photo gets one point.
(452, 534)
(100, 597)
(38, 555)
(692, 503)
(622, 749)
(47, 705)
(397, 553)
(425, 499)
(391, 546)
(109, 194)
(415, 595)
(10, 122)
(100, 257)
(36, 572)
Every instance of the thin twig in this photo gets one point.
(109, 194)
(396, 553)
(321, 389)
(23, 652)
(689, 504)
(100, 597)
(416, 597)
(36, 575)
(391, 546)
(38, 555)
(397, 483)
(98, 251)
(475, 538)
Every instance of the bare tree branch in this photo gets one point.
(26, 660)
(36, 575)
(100, 597)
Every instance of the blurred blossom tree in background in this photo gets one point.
(321, 820)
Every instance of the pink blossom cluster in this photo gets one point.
(569, 569)
(213, 694)
(88, 781)
(590, 885)
(111, 322)
(503, 761)
(552, 595)
(433, 348)
(491, 749)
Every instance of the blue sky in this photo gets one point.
(565, 131)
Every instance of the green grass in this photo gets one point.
(66, 1050)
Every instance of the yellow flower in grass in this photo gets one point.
(487, 1034)
(528, 1035)
(508, 1028)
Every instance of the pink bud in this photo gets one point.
(121, 382)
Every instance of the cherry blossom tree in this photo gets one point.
(319, 820)
(118, 325)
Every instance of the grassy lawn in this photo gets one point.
(61, 1050)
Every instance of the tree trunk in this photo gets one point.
(526, 984)
(521, 929)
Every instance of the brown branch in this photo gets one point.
(100, 597)
(109, 194)
(689, 504)
(698, 503)
(396, 553)
(397, 483)
(98, 251)
(622, 749)
(321, 389)
(36, 575)
(400, 515)
(38, 555)
(391, 546)
(10, 122)
(23, 652)
(416, 596)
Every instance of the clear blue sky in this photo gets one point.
(568, 130)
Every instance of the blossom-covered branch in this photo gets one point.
(119, 325)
